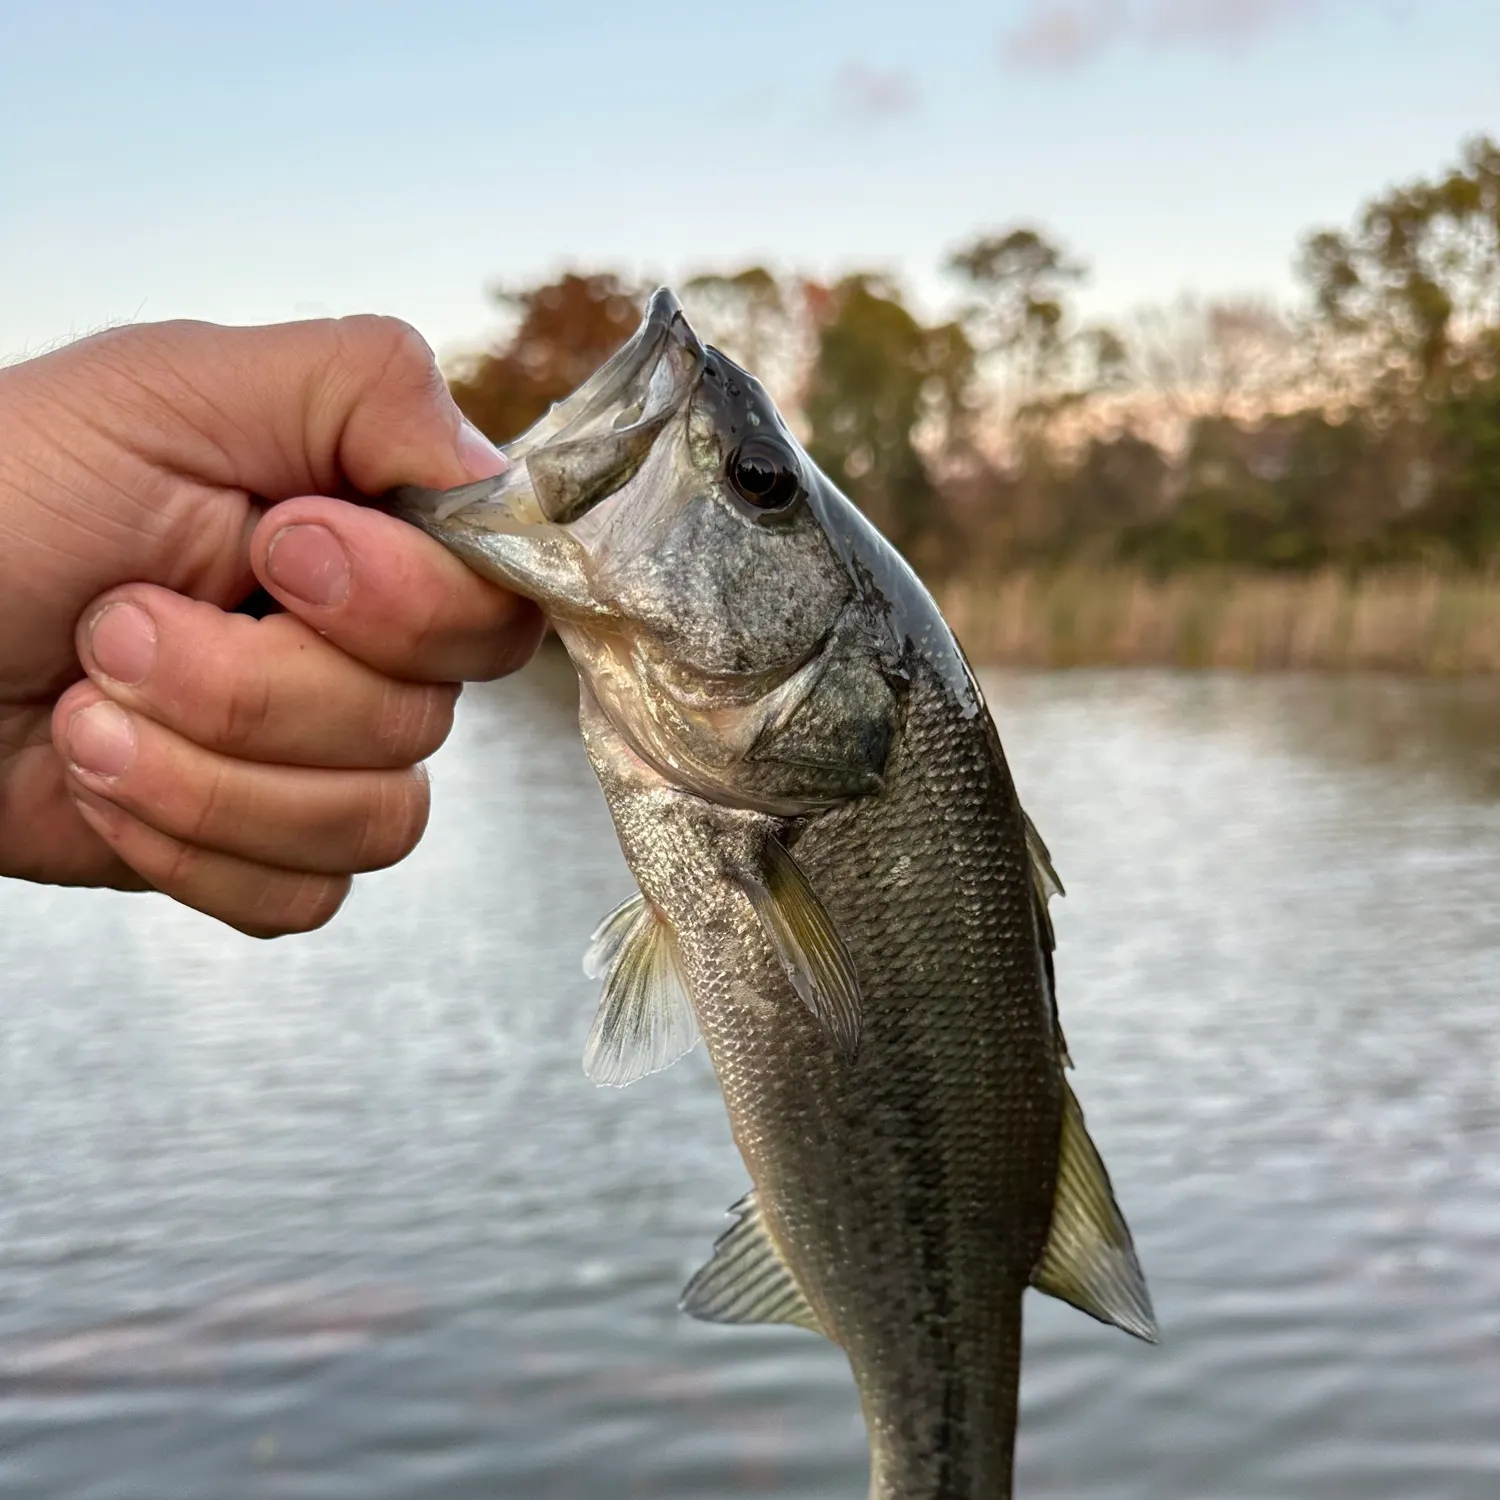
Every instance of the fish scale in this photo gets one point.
(964, 1143)
(909, 1193)
(838, 890)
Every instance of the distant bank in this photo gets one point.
(1403, 621)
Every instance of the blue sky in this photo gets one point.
(283, 160)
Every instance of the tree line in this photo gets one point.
(1358, 428)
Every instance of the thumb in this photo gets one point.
(324, 406)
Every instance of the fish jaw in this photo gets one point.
(733, 644)
(622, 380)
(514, 528)
(500, 537)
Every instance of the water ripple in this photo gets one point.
(340, 1217)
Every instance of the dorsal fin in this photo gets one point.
(745, 1280)
(1044, 885)
(1090, 1258)
(1043, 871)
(645, 1020)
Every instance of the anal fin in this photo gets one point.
(746, 1280)
(1090, 1258)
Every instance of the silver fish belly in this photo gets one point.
(838, 889)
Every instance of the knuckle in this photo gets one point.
(390, 345)
(173, 866)
(205, 811)
(244, 713)
(379, 330)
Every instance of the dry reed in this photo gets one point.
(1407, 621)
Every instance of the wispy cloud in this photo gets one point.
(875, 93)
(1067, 33)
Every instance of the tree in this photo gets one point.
(754, 319)
(1223, 357)
(1118, 482)
(1016, 284)
(878, 379)
(1466, 498)
(1411, 294)
(1406, 308)
(1017, 317)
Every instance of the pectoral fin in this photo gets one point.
(746, 1280)
(609, 936)
(809, 947)
(1090, 1258)
(645, 1021)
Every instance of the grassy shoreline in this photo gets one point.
(1409, 621)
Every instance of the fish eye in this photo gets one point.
(764, 472)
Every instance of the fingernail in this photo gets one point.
(101, 740)
(478, 454)
(122, 639)
(308, 562)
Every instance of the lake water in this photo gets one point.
(340, 1216)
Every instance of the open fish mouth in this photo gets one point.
(654, 370)
(585, 447)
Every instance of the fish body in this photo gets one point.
(838, 889)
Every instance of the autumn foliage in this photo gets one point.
(563, 333)
(1356, 429)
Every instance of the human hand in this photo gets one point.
(244, 767)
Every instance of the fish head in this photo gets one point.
(685, 548)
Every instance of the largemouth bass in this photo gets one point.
(838, 889)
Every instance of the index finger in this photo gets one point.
(390, 596)
(313, 407)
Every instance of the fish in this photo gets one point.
(838, 891)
